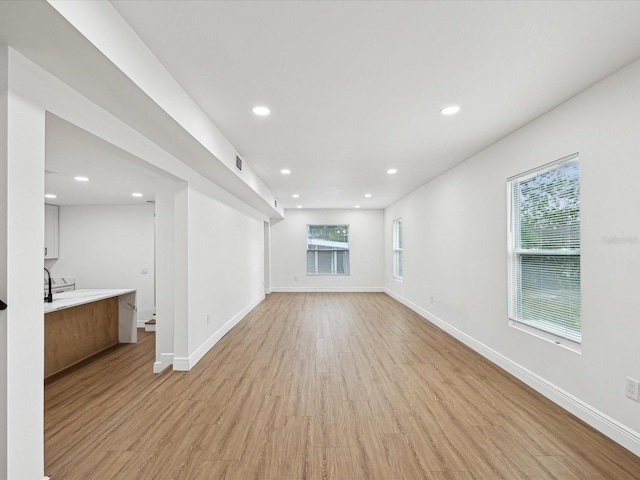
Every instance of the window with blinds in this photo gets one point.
(397, 249)
(544, 248)
(327, 249)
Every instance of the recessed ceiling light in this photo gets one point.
(261, 110)
(298, 206)
(367, 195)
(357, 206)
(136, 194)
(285, 171)
(391, 171)
(295, 195)
(50, 195)
(450, 110)
(81, 179)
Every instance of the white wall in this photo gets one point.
(106, 246)
(366, 251)
(455, 250)
(226, 270)
(22, 164)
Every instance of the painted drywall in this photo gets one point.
(22, 164)
(4, 278)
(289, 251)
(225, 269)
(455, 252)
(108, 246)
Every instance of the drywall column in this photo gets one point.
(22, 144)
(181, 278)
(4, 90)
(165, 273)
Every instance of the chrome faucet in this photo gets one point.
(49, 297)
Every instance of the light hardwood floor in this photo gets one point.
(317, 386)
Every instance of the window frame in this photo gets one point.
(397, 248)
(549, 330)
(334, 257)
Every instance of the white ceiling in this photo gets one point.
(354, 87)
(113, 174)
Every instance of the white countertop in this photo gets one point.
(74, 298)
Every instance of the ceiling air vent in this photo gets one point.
(238, 163)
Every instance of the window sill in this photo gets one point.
(398, 279)
(328, 274)
(549, 337)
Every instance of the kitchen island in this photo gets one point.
(82, 323)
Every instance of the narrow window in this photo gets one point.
(327, 249)
(397, 249)
(544, 249)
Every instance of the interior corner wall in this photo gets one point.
(23, 164)
(366, 251)
(4, 347)
(226, 270)
(165, 231)
(455, 252)
(107, 246)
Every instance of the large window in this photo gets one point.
(544, 249)
(327, 249)
(397, 249)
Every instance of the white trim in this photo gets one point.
(327, 289)
(185, 364)
(616, 431)
(166, 360)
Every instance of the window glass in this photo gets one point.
(327, 249)
(545, 249)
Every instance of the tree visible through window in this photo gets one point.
(327, 249)
(545, 249)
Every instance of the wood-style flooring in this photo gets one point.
(341, 386)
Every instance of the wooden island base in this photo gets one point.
(74, 334)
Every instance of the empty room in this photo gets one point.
(319, 240)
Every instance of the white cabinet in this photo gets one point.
(50, 231)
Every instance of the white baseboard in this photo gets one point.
(628, 438)
(327, 289)
(166, 360)
(185, 364)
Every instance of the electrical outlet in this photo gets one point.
(208, 318)
(295, 279)
(633, 389)
(431, 300)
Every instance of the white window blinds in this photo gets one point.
(327, 249)
(545, 249)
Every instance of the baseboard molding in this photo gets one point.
(628, 438)
(185, 364)
(166, 360)
(327, 289)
